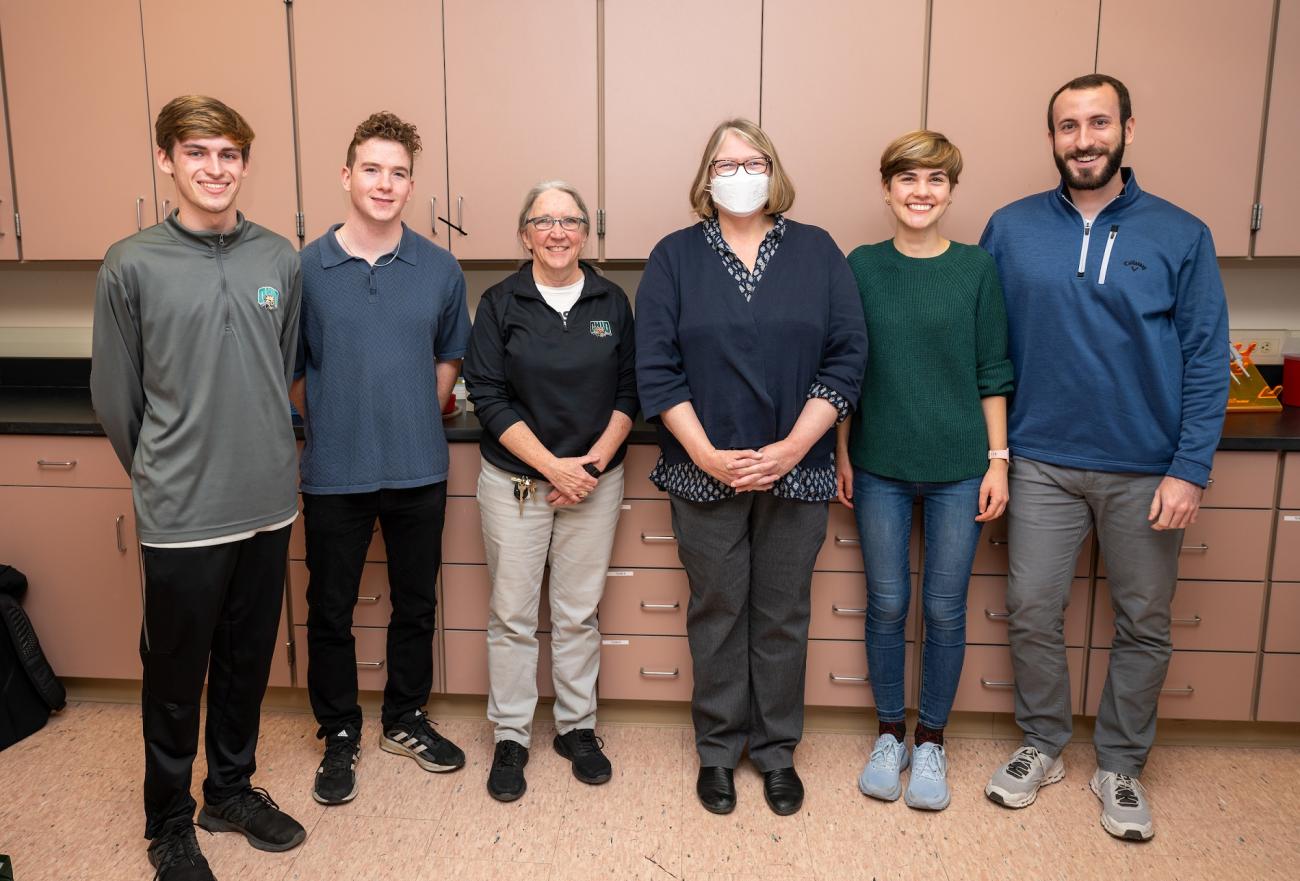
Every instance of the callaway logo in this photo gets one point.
(268, 299)
(1135, 265)
(601, 329)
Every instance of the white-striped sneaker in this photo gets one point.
(1124, 810)
(1016, 784)
(414, 735)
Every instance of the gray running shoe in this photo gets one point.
(1016, 784)
(1124, 810)
(880, 778)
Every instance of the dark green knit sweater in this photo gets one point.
(938, 344)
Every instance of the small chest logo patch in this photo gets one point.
(268, 299)
(1135, 265)
(601, 329)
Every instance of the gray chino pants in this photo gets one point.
(1051, 510)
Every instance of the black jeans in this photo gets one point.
(211, 610)
(339, 528)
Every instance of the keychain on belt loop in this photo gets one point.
(524, 489)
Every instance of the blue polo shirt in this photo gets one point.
(370, 338)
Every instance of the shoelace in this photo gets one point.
(928, 763)
(511, 755)
(339, 755)
(422, 723)
(1021, 762)
(251, 801)
(885, 754)
(177, 846)
(1126, 795)
(588, 742)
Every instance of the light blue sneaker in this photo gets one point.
(928, 788)
(879, 779)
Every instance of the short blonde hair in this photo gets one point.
(780, 193)
(200, 116)
(921, 149)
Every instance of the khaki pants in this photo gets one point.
(575, 541)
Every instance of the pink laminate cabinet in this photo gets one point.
(467, 662)
(987, 684)
(645, 601)
(1241, 480)
(467, 591)
(842, 550)
(1279, 689)
(647, 668)
(521, 108)
(1205, 615)
(63, 55)
(987, 616)
(638, 464)
(374, 601)
(1222, 545)
(1199, 685)
(828, 108)
(644, 537)
(991, 74)
(372, 657)
(462, 477)
(281, 662)
(405, 77)
(1216, 57)
(666, 88)
(839, 606)
(56, 460)
(79, 551)
(837, 674)
(462, 532)
(8, 236)
(1283, 633)
(1290, 495)
(1279, 232)
(991, 553)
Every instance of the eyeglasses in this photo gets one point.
(546, 222)
(728, 167)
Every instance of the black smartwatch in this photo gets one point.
(591, 469)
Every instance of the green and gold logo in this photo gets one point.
(268, 298)
(601, 329)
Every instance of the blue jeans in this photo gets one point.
(883, 508)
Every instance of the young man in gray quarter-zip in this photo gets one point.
(195, 335)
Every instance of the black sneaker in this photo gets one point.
(176, 856)
(336, 778)
(506, 779)
(414, 736)
(254, 813)
(582, 747)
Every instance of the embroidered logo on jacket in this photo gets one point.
(601, 329)
(268, 298)
(1135, 265)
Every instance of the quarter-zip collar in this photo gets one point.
(204, 240)
(1127, 196)
(593, 285)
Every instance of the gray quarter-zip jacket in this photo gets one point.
(193, 350)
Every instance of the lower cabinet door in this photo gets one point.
(987, 684)
(987, 616)
(467, 662)
(837, 674)
(647, 668)
(645, 601)
(1279, 689)
(281, 669)
(1205, 615)
(1199, 685)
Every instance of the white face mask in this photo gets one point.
(741, 194)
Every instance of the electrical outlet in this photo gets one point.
(1268, 344)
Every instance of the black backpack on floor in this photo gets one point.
(29, 690)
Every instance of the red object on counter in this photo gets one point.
(1291, 380)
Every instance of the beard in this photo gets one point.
(1090, 179)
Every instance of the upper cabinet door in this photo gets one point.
(669, 81)
(8, 240)
(76, 74)
(1197, 83)
(990, 79)
(521, 108)
(1279, 235)
(405, 78)
(831, 103)
(240, 56)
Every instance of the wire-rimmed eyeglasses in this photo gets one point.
(728, 167)
(546, 222)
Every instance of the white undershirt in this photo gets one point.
(562, 299)
(221, 539)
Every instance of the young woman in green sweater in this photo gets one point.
(931, 426)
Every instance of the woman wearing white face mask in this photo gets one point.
(751, 346)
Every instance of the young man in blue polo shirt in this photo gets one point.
(384, 329)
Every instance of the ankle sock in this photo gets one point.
(898, 729)
(925, 734)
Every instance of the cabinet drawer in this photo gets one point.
(986, 611)
(991, 552)
(49, 460)
(1279, 689)
(1241, 480)
(637, 465)
(1206, 615)
(647, 668)
(281, 668)
(1290, 497)
(467, 662)
(839, 606)
(1286, 550)
(462, 532)
(372, 661)
(1283, 618)
(466, 592)
(462, 478)
(842, 551)
(645, 601)
(644, 538)
(837, 674)
(987, 684)
(1199, 685)
(376, 553)
(1223, 545)
(374, 605)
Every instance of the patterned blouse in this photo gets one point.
(687, 480)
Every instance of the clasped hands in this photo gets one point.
(570, 482)
(751, 470)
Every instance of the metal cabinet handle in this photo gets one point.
(998, 542)
(662, 674)
(56, 463)
(846, 610)
(460, 214)
(433, 215)
(1200, 548)
(117, 530)
(857, 680)
(841, 542)
(996, 616)
(139, 212)
(1190, 622)
(374, 665)
(1185, 691)
(660, 607)
(368, 598)
(657, 538)
(996, 683)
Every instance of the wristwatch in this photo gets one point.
(1000, 454)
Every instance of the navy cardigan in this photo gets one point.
(747, 367)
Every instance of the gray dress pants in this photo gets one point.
(1051, 511)
(749, 560)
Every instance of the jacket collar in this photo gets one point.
(332, 253)
(593, 284)
(203, 239)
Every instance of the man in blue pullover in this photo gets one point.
(1119, 337)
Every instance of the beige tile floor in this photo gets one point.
(70, 810)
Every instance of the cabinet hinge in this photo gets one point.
(18, 225)
(1256, 216)
(600, 223)
(302, 228)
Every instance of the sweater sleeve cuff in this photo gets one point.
(995, 379)
(629, 406)
(499, 420)
(652, 411)
(1192, 472)
(838, 401)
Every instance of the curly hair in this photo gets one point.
(389, 127)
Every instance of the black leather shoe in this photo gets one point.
(716, 789)
(783, 790)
